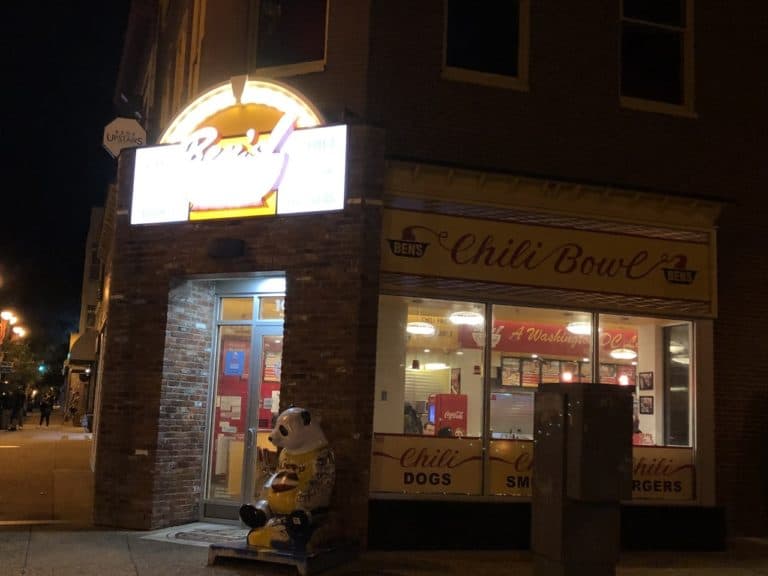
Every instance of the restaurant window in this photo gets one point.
(532, 346)
(290, 32)
(657, 55)
(456, 382)
(651, 355)
(236, 308)
(272, 307)
(677, 389)
(487, 43)
(429, 376)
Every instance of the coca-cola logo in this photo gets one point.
(453, 415)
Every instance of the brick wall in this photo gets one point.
(741, 385)
(151, 439)
(183, 403)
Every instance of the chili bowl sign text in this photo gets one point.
(546, 256)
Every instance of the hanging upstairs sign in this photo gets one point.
(246, 148)
(123, 133)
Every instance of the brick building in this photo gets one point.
(522, 177)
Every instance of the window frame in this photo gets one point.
(685, 109)
(519, 82)
(283, 70)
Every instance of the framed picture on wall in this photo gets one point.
(455, 380)
(646, 380)
(646, 404)
(607, 371)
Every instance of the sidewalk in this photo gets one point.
(38, 551)
(49, 544)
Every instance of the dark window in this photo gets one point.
(653, 49)
(290, 32)
(90, 319)
(669, 12)
(483, 36)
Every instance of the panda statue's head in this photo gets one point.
(296, 431)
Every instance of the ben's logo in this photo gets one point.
(678, 274)
(408, 246)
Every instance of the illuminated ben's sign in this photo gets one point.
(290, 167)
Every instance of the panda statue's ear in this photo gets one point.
(306, 417)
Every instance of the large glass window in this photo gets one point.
(677, 387)
(652, 355)
(429, 375)
(456, 384)
(533, 346)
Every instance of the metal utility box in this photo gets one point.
(582, 470)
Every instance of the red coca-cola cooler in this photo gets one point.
(448, 412)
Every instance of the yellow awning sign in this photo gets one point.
(443, 246)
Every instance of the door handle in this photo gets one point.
(250, 437)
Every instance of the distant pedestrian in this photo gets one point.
(46, 406)
(17, 409)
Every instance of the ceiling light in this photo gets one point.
(467, 317)
(580, 328)
(685, 360)
(623, 354)
(566, 376)
(675, 348)
(420, 328)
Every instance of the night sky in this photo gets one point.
(59, 66)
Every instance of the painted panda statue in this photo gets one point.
(297, 495)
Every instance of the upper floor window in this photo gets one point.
(487, 43)
(90, 316)
(290, 33)
(657, 55)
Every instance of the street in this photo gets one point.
(45, 475)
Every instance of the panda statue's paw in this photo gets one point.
(252, 516)
(298, 523)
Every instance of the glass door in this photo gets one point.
(262, 456)
(246, 396)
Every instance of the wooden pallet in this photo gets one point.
(305, 562)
